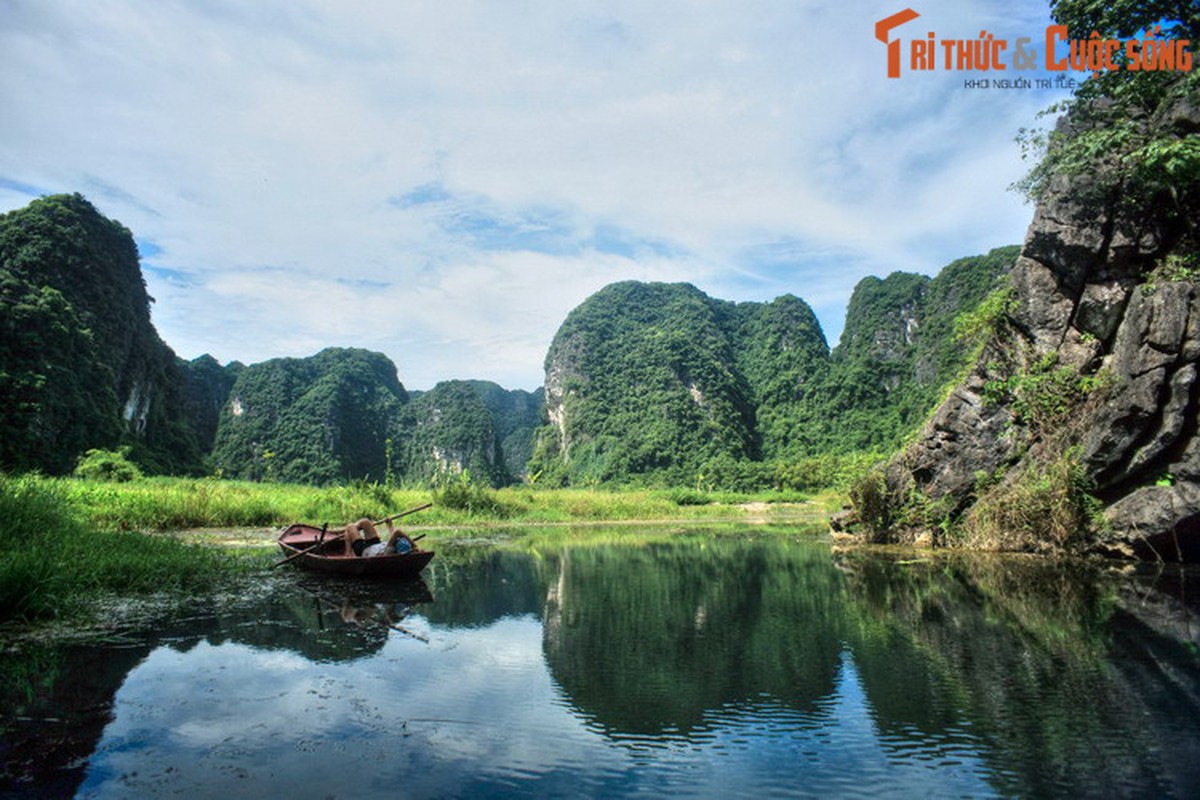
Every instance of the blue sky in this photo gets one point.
(443, 182)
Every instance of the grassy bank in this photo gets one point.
(157, 504)
(66, 540)
(54, 559)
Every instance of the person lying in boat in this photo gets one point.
(363, 540)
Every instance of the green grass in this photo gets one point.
(163, 504)
(54, 558)
(65, 541)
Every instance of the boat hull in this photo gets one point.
(328, 556)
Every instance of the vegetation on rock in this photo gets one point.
(322, 419)
(81, 365)
(662, 384)
(1083, 394)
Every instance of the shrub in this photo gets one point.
(464, 495)
(687, 497)
(1046, 508)
(872, 501)
(989, 317)
(107, 465)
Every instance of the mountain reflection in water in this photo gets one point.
(743, 664)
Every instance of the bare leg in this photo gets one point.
(396, 535)
(366, 529)
(363, 529)
(351, 533)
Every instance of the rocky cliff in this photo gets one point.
(1078, 424)
(320, 419)
(450, 431)
(81, 365)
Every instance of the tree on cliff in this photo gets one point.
(1124, 127)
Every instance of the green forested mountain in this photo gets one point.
(311, 420)
(343, 414)
(81, 365)
(516, 414)
(642, 378)
(663, 383)
(897, 353)
(644, 382)
(206, 389)
(449, 430)
(780, 348)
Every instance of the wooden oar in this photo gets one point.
(403, 514)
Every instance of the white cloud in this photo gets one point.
(265, 150)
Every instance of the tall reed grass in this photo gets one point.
(182, 503)
(63, 540)
(54, 557)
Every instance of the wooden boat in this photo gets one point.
(329, 556)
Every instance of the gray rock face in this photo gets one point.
(1090, 297)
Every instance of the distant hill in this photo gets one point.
(642, 378)
(343, 414)
(645, 382)
(661, 383)
(320, 419)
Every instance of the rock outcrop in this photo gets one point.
(1105, 324)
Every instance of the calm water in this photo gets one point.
(696, 666)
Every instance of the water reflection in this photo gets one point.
(647, 640)
(679, 664)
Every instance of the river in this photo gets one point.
(732, 663)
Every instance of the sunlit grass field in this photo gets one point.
(163, 504)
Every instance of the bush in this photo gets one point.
(107, 465)
(973, 327)
(687, 497)
(1041, 509)
(464, 495)
(873, 502)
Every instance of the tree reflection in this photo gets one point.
(1060, 678)
(1046, 660)
(648, 639)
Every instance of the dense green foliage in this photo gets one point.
(207, 385)
(660, 383)
(647, 383)
(311, 420)
(107, 465)
(515, 416)
(449, 431)
(81, 365)
(780, 348)
(898, 351)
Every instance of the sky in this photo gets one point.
(444, 181)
